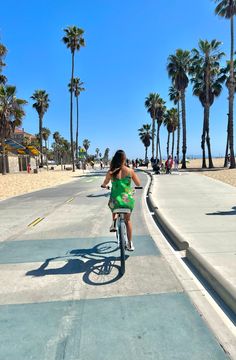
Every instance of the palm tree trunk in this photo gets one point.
(178, 133)
(204, 141)
(160, 150)
(231, 97)
(4, 170)
(207, 114)
(168, 143)
(227, 146)
(158, 139)
(184, 146)
(71, 114)
(173, 144)
(77, 127)
(41, 139)
(153, 136)
(208, 139)
(46, 154)
(146, 153)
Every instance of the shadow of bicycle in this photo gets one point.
(98, 266)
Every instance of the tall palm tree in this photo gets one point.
(3, 52)
(227, 9)
(86, 144)
(160, 113)
(171, 123)
(207, 79)
(151, 104)
(45, 134)
(178, 68)
(174, 96)
(41, 105)
(97, 152)
(73, 40)
(56, 137)
(226, 71)
(78, 87)
(145, 137)
(11, 114)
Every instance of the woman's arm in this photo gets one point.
(135, 178)
(106, 180)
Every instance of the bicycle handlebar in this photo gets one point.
(108, 187)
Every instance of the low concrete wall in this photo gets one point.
(13, 162)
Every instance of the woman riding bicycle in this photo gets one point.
(121, 192)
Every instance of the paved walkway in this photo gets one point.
(202, 212)
(61, 296)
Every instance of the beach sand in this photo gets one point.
(22, 183)
(218, 172)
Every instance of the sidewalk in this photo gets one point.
(198, 214)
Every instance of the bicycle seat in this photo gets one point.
(122, 211)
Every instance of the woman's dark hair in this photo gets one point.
(116, 162)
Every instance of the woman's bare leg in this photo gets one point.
(129, 227)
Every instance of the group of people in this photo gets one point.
(158, 166)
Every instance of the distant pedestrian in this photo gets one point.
(176, 163)
(146, 163)
(228, 161)
(101, 165)
(169, 164)
(28, 168)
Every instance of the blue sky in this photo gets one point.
(125, 58)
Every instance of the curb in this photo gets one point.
(162, 222)
(219, 284)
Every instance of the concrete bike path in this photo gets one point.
(61, 296)
(202, 212)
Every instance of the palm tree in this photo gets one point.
(207, 80)
(41, 105)
(160, 113)
(73, 40)
(56, 137)
(11, 114)
(178, 68)
(86, 144)
(151, 104)
(97, 152)
(106, 156)
(3, 52)
(226, 71)
(45, 135)
(174, 96)
(145, 137)
(227, 9)
(77, 88)
(171, 123)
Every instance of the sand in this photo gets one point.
(22, 183)
(218, 172)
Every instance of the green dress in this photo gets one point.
(121, 194)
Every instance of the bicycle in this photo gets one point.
(121, 233)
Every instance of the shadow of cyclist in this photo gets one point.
(94, 260)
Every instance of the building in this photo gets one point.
(19, 135)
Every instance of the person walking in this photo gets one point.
(169, 164)
(176, 164)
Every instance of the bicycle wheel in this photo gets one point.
(122, 239)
